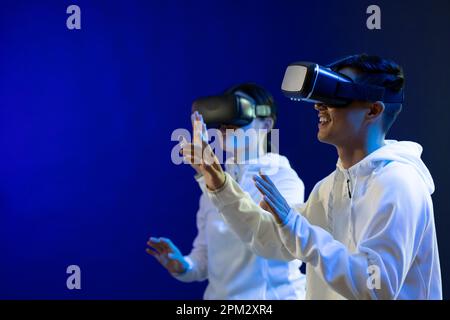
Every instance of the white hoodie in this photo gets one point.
(232, 269)
(365, 233)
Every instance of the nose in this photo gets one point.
(320, 107)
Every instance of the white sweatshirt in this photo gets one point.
(365, 233)
(232, 269)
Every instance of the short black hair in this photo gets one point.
(376, 71)
(261, 96)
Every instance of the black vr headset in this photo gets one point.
(238, 109)
(307, 81)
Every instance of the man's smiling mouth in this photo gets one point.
(323, 120)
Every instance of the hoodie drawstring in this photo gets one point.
(348, 188)
(350, 192)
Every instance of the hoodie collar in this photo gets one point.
(401, 151)
(363, 166)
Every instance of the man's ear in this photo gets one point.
(375, 109)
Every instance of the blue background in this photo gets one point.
(86, 118)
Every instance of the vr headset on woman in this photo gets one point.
(238, 109)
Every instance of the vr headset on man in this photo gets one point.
(303, 81)
(311, 82)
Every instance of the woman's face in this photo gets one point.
(243, 139)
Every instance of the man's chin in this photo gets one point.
(323, 138)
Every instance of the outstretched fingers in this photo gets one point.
(264, 189)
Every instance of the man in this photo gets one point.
(367, 230)
(218, 255)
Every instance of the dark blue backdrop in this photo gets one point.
(86, 118)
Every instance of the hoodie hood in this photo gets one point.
(401, 151)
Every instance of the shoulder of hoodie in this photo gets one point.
(400, 185)
(394, 176)
(388, 175)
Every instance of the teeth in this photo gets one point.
(323, 120)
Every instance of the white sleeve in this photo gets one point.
(198, 258)
(386, 247)
(254, 226)
(385, 251)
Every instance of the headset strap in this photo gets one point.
(356, 91)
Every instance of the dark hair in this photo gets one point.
(376, 71)
(259, 94)
(261, 97)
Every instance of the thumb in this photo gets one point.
(263, 204)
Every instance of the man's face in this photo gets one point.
(341, 126)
